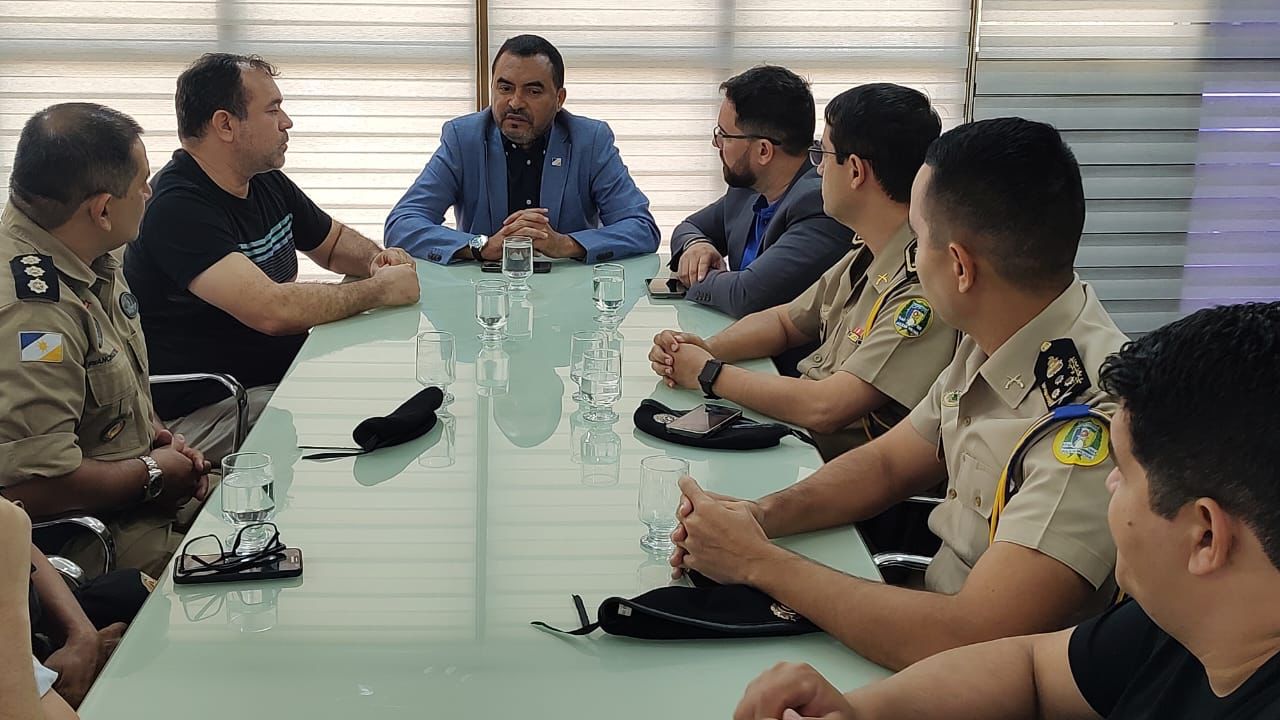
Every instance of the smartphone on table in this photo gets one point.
(666, 288)
(704, 420)
(188, 571)
(493, 266)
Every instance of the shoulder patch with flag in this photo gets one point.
(40, 346)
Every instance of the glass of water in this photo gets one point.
(659, 498)
(579, 344)
(491, 308)
(601, 384)
(248, 497)
(517, 260)
(437, 362)
(607, 289)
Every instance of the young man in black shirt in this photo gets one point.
(1195, 511)
(215, 265)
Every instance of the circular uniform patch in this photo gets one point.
(1084, 442)
(913, 318)
(129, 305)
(113, 430)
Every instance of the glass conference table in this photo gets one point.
(425, 563)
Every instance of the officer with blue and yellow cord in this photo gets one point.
(78, 434)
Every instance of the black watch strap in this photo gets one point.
(707, 378)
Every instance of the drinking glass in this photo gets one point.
(437, 361)
(248, 497)
(579, 344)
(491, 308)
(659, 497)
(607, 290)
(601, 384)
(517, 260)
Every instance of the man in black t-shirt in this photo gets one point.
(215, 265)
(1195, 511)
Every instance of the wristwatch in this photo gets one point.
(477, 244)
(707, 378)
(155, 479)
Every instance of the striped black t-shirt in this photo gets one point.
(190, 224)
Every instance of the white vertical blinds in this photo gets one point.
(1173, 109)
(652, 68)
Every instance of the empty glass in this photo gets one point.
(608, 290)
(659, 498)
(437, 361)
(517, 260)
(248, 497)
(579, 344)
(601, 384)
(491, 308)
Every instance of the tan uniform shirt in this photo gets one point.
(900, 354)
(73, 363)
(980, 407)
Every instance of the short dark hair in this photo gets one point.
(773, 101)
(531, 46)
(69, 153)
(1016, 185)
(1201, 398)
(212, 83)
(887, 125)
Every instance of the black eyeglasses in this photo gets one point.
(816, 152)
(224, 562)
(718, 136)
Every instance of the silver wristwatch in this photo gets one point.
(155, 479)
(477, 244)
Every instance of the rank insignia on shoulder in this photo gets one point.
(35, 277)
(1060, 372)
(1083, 442)
(913, 318)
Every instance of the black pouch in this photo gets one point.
(708, 611)
(413, 419)
(652, 417)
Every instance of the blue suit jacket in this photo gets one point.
(585, 187)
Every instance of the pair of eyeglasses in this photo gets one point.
(718, 136)
(816, 152)
(223, 562)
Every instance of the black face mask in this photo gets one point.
(413, 419)
(707, 611)
(652, 417)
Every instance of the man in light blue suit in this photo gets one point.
(524, 167)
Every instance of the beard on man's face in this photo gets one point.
(739, 176)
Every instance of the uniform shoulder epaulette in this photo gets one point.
(910, 260)
(35, 277)
(1060, 372)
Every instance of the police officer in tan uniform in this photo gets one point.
(881, 343)
(77, 430)
(1016, 426)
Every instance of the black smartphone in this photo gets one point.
(666, 288)
(493, 266)
(288, 566)
(704, 420)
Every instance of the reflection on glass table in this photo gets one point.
(601, 455)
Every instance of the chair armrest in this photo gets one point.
(925, 500)
(234, 388)
(67, 569)
(93, 525)
(902, 560)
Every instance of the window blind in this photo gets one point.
(1173, 110)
